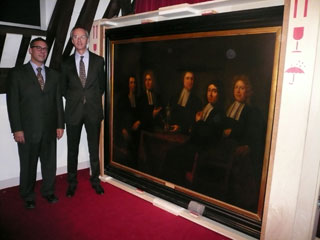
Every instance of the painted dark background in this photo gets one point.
(209, 58)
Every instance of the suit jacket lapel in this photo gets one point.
(74, 69)
(90, 69)
(32, 74)
(47, 82)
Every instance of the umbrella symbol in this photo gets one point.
(294, 70)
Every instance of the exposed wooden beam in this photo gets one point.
(3, 78)
(3, 71)
(23, 31)
(127, 7)
(23, 49)
(85, 20)
(114, 7)
(2, 40)
(58, 30)
(112, 10)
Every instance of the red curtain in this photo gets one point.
(151, 5)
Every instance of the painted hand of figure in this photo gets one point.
(198, 116)
(242, 151)
(174, 128)
(156, 111)
(227, 132)
(136, 125)
(19, 136)
(59, 133)
(125, 134)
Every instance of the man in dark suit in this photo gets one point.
(36, 118)
(83, 86)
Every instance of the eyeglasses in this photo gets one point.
(83, 37)
(40, 48)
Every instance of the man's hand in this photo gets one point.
(59, 133)
(19, 136)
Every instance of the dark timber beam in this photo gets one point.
(58, 30)
(23, 31)
(85, 20)
(23, 49)
(114, 7)
(2, 40)
(3, 71)
(3, 77)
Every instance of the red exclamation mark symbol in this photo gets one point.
(305, 13)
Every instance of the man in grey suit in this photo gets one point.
(83, 87)
(36, 118)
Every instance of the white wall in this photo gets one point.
(9, 160)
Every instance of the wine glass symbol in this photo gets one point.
(298, 35)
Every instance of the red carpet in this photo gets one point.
(116, 215)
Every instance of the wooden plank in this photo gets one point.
(2, 40)
(127, 7)
(3, 71)
(23, 31)
(58, 30)
(3, 76)
(114, 7)
(112, 10)
(23, 49)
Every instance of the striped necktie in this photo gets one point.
(40, 78)
(82, 72)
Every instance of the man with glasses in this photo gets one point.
(36, 118)
(83, 86)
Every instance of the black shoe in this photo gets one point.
(99, 190)
(51, 198)
(29, 204)
(70, 191)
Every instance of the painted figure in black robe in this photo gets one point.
(183, 106)
(239, 156)
(206, 132)
(127, 125)
(149, 106)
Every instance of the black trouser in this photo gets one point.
(73, 136)
(29, 154)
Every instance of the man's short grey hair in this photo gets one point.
(78, 27)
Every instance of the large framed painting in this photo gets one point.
(190, 106)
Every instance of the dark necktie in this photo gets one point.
(40, 78)
(82, 72)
